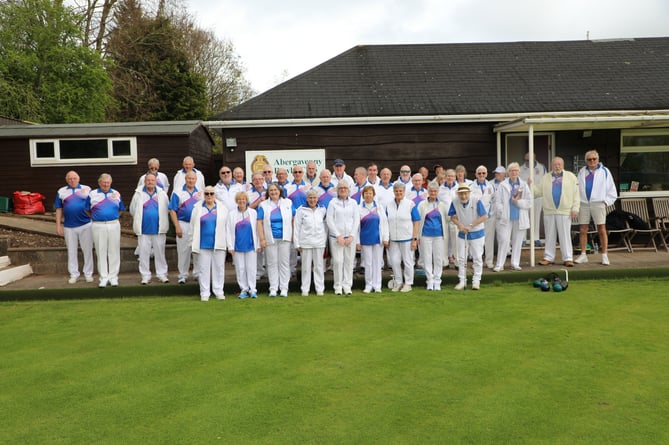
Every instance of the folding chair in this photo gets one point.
(639, 207)
(661, 210)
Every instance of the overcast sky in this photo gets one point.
(277, 40)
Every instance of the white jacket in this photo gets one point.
(603, 187)
(310, 227)
(234, 217)
(503, 206)
(424, 207)
(137, 210)
(343, 218)
(220, 241)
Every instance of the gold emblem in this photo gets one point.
(259, 163)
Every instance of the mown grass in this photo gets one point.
(508, 364)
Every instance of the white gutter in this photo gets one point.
(587, 117)
(517, 118)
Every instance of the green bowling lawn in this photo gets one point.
(507, 364)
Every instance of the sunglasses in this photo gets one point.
(405, 171)
(209, 193)
(226, 172)
(591, 159)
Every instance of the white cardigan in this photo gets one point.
(220, 242)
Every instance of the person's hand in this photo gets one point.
(59, 230)
(341, 241)
(179, 232)
(414, 244)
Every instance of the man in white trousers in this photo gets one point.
(468, 213)
(181, 208)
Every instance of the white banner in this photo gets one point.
(257, 160)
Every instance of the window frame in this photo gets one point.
(642, 149)
(56, 160)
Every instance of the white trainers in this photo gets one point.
(605, 259)
(516, 268)
(406, 288)
(163, 279)
(476, 286)
(397, 287)
(89, 279)
(72, 280)
(497, 269)
(460, 286)
(367, 290)
(582, 258)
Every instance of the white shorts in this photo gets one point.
(594, 210)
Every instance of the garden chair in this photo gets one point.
(639, 207)
(661, 210)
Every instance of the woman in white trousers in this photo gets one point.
(275, 231)
(373, 237)
(343, 220)
(310, 236)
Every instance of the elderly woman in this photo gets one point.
(343, 219)
(433, 235)
(243, 245)
(513, 201)
(275, 231)
(209, 242)
(373, 237)
(310, 236)
(403, 220)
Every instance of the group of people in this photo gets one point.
(265, 224)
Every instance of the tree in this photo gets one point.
(46, 73)
(153, 76)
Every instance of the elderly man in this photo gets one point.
(468, 214)
(268, 175)
(311, 175)
(560, 201)
(71, 203)
(597, 191)
(326, 190)
(188, 164)
(539, 172)
(162, 181)
(359, 183)
(282, 180)
(384, 190)
(339, 172)
(149, 209)
(181, 207)
(238, 178)
(484, 191)
(405, 177)
(447, 193)
(257, 190)
(104, 204)
(416, 192)
(226, 188)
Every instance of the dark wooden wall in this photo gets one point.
(388, 145)
(170, 150)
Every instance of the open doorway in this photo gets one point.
(517, 145)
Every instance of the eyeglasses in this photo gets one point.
(227, 172)
(209, 193)
(297, 172)
(267, 171)
(481, 173)
(591, 159)
(405, 171)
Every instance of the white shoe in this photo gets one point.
(220, 297)
(89, 279)
(146, 281)
(582, 258)
(497, 269)
(476, 286)
(397, 287)
(436, 287)
(378, 291)
(103, 283)
(114, 282)
(319, 293)
(460, 286)
(72, 280)
(406, 288)
(605, 259)
(489, 265)
(516, 268)
(163, 279)
(367, 290)
(305, 294)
